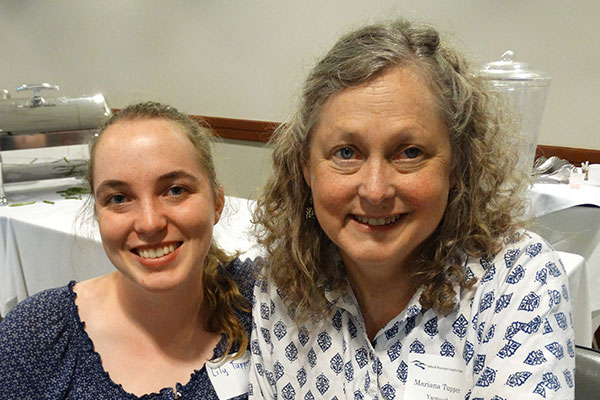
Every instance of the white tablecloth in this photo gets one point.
(45, 245)
(547, 198)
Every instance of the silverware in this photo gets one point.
(543, 166)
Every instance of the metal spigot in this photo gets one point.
(37, 88)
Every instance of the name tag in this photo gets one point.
(230, 377)
(434, 378)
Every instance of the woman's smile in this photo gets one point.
(377, 221)
(156, 251)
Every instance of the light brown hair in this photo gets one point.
(220, 290)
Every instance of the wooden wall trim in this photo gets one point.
(572, 154)
(240, 129)
(260, 131)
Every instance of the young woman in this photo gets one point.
(172, 316)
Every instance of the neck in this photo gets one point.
(162, 314)
(382, 293)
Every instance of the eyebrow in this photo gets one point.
(348, 135)
(116, 184)
(177, 174)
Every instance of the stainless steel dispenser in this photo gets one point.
(524, 90)
(44, 121)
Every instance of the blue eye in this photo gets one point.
(412, 152)
(346, 153)
(117, 199)
(176, 190)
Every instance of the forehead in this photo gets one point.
(141, 131)
(396, 87)
(398, 96)
(144, 144)
(139, 125)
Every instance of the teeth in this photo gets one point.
(377, 221)
(154, 253)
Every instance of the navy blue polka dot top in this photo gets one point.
(45, 352)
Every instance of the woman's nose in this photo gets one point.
(150, 219)
(376, 185)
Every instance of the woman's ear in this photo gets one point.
(219, 203)
(306, 171)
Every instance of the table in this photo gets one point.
(47, 245)
(569, 219)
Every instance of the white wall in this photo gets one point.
(246, 59)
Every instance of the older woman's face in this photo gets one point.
(378, 169)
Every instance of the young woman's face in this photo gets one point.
(154, 203)
(378, 170)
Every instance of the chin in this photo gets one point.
(160, 284)
(376, 259)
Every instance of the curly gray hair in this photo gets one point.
(483, 205)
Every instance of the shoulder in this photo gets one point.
(268, 304)
(524, 254)
(529, 254)
(38, 332)
(524, 280)
(525, 283)
(41, 312)
(240, 270)
(244, 274)
(263, 285)
(526, 243)
(521, 317)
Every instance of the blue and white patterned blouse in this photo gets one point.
(45, 352)
(511, 335)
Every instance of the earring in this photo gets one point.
(309, 211)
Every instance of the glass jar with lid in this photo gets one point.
(524, 90)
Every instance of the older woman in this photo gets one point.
(162, 325)
(396, 264)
